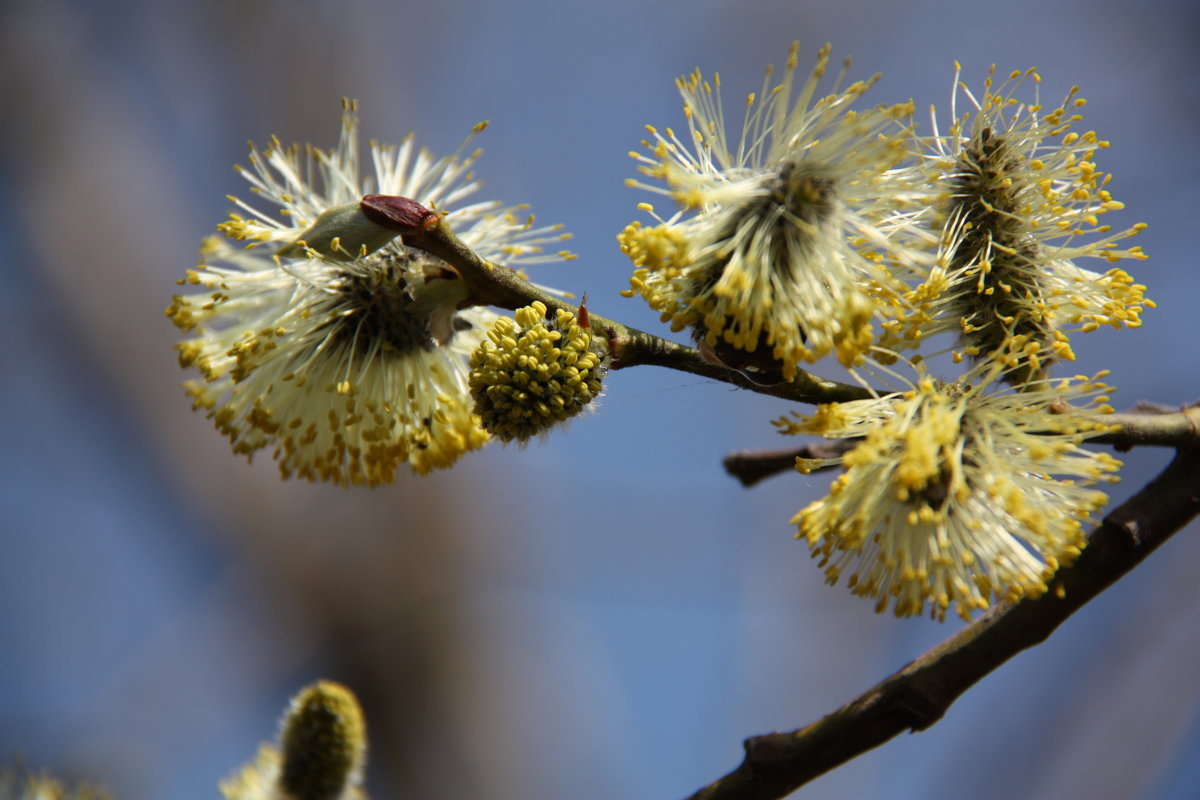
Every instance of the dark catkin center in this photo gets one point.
(794, 197)
(936, 493)
(985, 194)
(379, 305)
(801, 200)
(795, 202)
(805, 193)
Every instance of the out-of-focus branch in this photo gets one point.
(752, 466)
(495, 285)
(917, 696)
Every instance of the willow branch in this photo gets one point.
(917, 696)
(1149, 424)
(494, 285)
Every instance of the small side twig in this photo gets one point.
(753, 466)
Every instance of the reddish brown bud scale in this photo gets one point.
(583, 313)
(398, 213)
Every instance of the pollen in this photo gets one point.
(337, 349)
(958, 493)
(1020, 209)
(787, 228)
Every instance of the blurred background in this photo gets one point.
(602, 615)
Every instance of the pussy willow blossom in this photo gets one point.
(327, 339)
(783, 232)
(532, 373)
(1023, 201)
(16, 783)
(321, 753)
(959, 492)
